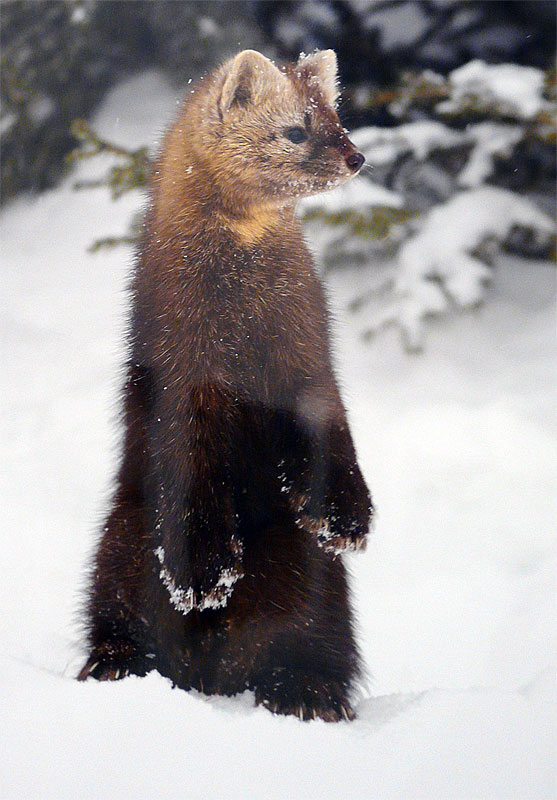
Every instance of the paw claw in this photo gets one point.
(113, 661)
(286, 691)
(347, 713)
(87, 671)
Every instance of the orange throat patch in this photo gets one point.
(253, 227)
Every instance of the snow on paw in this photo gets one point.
(339, 543)
(208, 589)
(328, 536)
(219, 595)
(347, 523)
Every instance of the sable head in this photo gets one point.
(274, 132)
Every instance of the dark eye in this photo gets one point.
(296, 135)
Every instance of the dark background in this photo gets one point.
(60, 58)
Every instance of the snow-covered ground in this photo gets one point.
(455, 594)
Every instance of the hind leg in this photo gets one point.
(312, 665)
(117, 632)
(289, 629)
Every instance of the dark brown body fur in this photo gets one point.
(236, 453)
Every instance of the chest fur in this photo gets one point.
(251, 319)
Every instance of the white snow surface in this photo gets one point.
(454, 596)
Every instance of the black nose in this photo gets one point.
(355, 161)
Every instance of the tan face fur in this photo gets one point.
(248, 113)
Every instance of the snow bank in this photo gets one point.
(141, 739)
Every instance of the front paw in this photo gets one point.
(340, 542)
(207, 579)
(344, 523)
(349, 515)
(216, 564)
(214, 591)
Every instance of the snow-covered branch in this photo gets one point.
(438, 266)
(446, 224)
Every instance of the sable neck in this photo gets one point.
(189, 197)
(189, 194)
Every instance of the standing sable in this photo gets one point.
(219, 562)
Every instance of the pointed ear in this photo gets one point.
(321, 68)
(250, 78)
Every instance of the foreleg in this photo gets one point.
(328, 492)
(195, 521)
